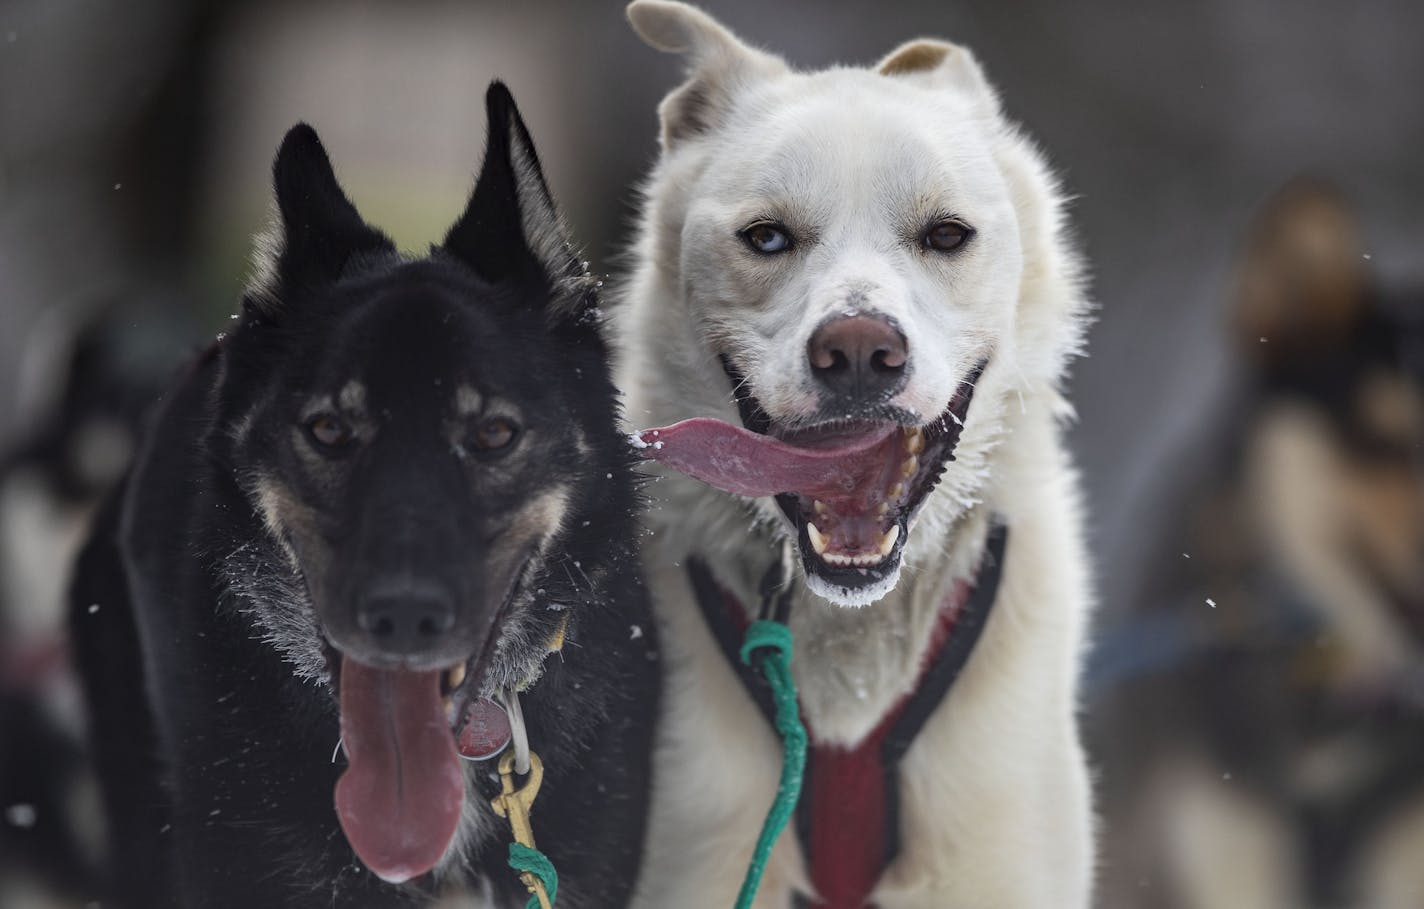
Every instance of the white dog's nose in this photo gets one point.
(859, 357)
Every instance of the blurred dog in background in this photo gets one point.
(1274, 755)
(50, 485)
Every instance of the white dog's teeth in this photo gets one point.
(819, 541)
(821, 507)
(882, 509)
(897, 491)
(455, 677)
(914, 440)
(909, 466)
(887, 540)
(864, 560)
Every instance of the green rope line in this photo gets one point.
(522, 858)
(767, 647)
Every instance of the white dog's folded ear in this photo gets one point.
(719, 64)
(941, 63)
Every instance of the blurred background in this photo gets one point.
(1249, 188)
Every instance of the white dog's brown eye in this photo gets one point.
(947, 235)
(495, 434)
(766, 237)
(329, 431)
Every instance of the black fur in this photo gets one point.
(215, 751)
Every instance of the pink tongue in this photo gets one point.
(746, 463)
(399, 800)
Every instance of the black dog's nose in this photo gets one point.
(404, 617)
(859, 357)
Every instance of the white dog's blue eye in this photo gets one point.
(947, 235)
(767, 237)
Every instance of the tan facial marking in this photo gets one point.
(581, 443)
(282, 513)
(539, 520)
(468, 401)
(352, 397)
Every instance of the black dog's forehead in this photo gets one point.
(422, 342)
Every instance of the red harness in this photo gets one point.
(848, 817)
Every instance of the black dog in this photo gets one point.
(371, 513)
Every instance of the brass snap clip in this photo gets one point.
(514, 803)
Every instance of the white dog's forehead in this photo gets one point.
(848, 143)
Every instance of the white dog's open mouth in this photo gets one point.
(849, 488)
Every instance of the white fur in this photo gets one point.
(266, 252)
(278, 603)
(995, 794)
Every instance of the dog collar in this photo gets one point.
(848, 817)
(494, 723)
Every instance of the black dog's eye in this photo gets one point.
(947, 235)
(495, 434)
(766, 237)
(329, 431)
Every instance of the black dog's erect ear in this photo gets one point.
(318, 231)
(511, 230)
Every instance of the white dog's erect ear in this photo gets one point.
(942, 63)
(719, 64)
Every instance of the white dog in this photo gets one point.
(860, 280)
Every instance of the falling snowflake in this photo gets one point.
(21, 815)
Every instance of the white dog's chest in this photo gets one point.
(874, 681)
